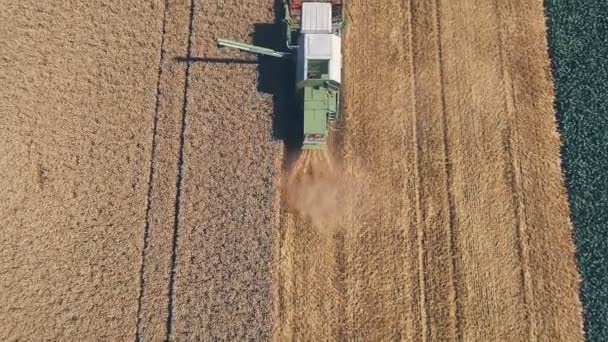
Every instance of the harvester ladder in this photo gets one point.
(331, 116)
(334, 88)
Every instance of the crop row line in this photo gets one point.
(180, 177)
(514, 179)
(152, 172)
(453, 219)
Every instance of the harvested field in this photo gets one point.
(464, 232)
(143, 170)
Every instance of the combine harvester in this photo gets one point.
(313, 30)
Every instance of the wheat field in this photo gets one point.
(148, 189)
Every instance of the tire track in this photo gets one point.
(547, 238)
(340, 284)
(152, 172)
(419, 213)
(514, 179)
(453, 221)
(179, 180)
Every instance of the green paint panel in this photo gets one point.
(316, 104)
(314, 122)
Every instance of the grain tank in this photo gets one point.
(313, 32)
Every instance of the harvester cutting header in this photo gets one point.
(313, 41)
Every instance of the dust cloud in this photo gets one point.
(319, 189)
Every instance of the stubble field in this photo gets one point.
(462, 232)
(143, 173)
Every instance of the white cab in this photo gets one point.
(317, 42)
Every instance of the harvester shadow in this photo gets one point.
(216, 60)
(275, 77)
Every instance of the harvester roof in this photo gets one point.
(316, 17)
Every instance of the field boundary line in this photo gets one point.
(514, 179)
(152, 172)
(453, 221)
(179, 180)
(419, 231)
